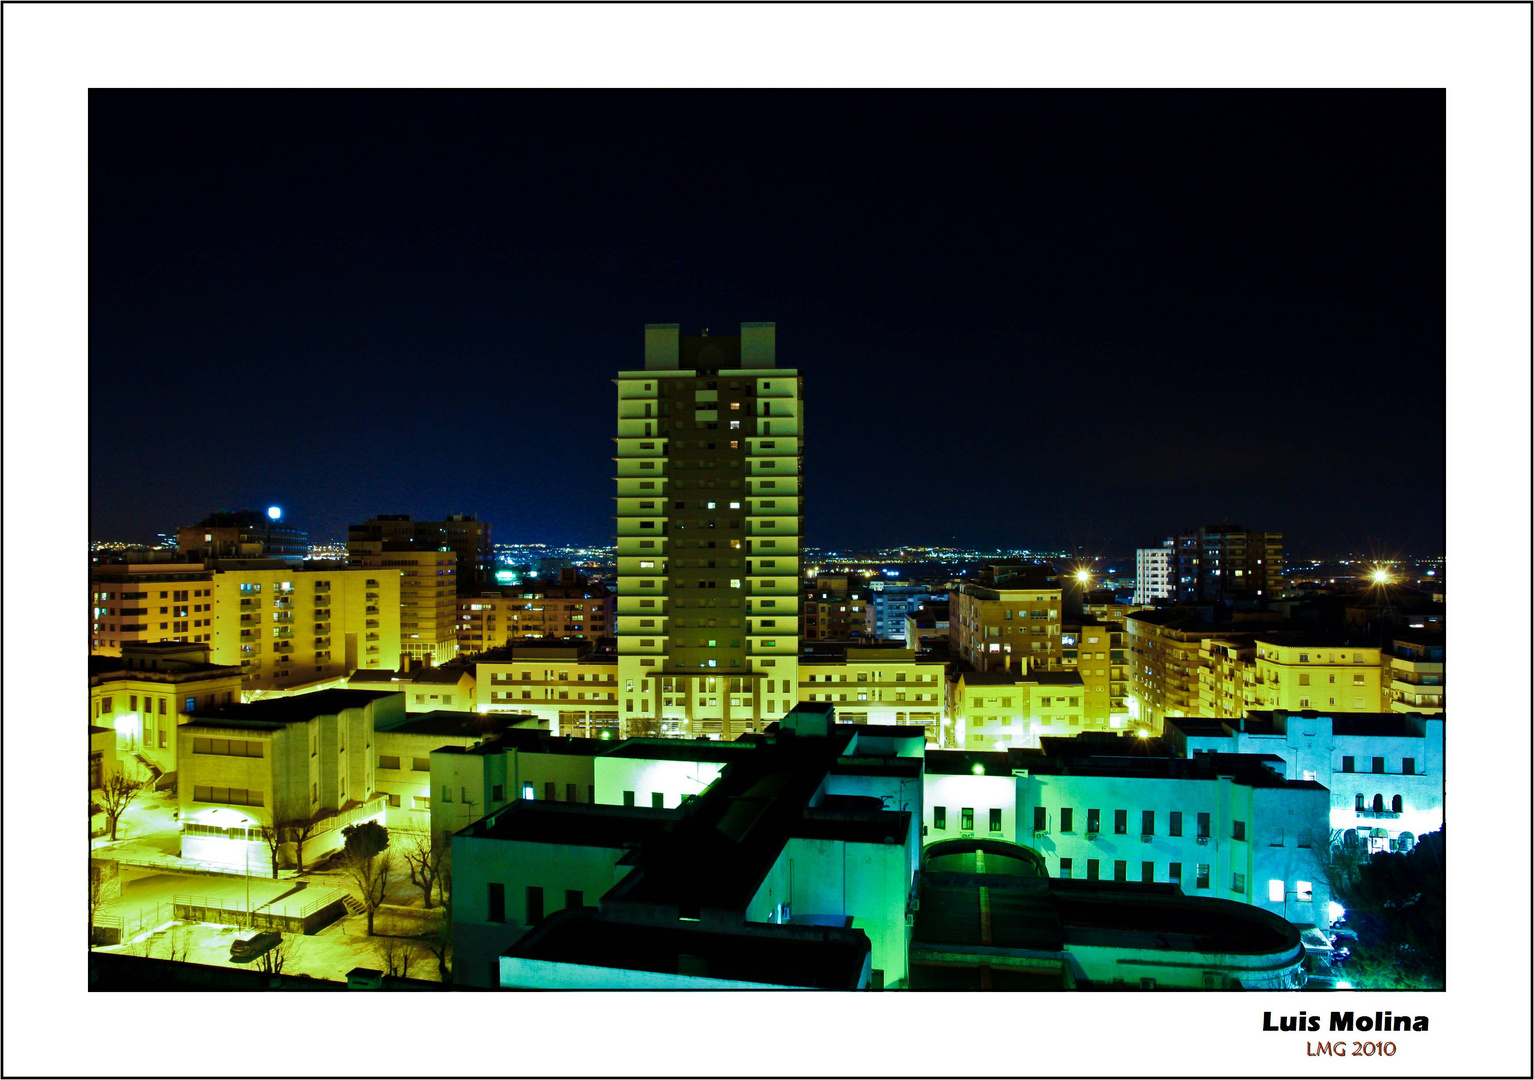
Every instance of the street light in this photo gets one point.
(250, 921)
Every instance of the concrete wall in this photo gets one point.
(674, 780)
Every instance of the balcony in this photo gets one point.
(1380, 815)
(370, 611)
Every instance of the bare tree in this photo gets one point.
(424, 857)
(177, 943)
(396, 954)
(644, 727)
(366, 860)
(438, 942)
(97, 895)
(1344, 857)
(278, 956)
(273, 837)
(300, 829)
(117, 793)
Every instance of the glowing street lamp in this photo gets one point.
(1381, 576)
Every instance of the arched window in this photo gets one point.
(1379, 803)
(1395, 803)
(1358, 801)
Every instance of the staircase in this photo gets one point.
(354, 905)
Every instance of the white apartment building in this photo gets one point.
(1153, 573)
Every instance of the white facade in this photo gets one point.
(1384, 771)
(1153, 573)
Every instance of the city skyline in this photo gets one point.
(1093, 342)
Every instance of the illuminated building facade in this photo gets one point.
(1165, 661)
(518, 763)
(149, 691)
(570, 609)
(873, 684)
(838, 608)
(1314, 670)
(1225, 564)
(995, 710)
(1384, 770)
(1411, 678)
(274, 763)
(288, 628)
(428, 598)
(1229, 826)
(133, 603)
(451, 687)
(891, 602)
(708, 532)
(403, 745)
(567, 684)
(1153, 573)
(1014, 622)
(1099, 653)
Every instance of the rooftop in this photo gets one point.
(452, 723)
(297, 709)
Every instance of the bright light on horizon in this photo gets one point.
(274, 512)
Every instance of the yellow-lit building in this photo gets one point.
(428, 598)
(450, 687)
(708, 532)
(145, 694)
(1165, 660)
(134, 603)
(1412, 673)
(1225, 679)
(998, 710)
(992, 625)
(1304, 670)
(1098, 652)
(838, 608)
(876, 685)
(566, 684)
(570, 609)
(289, 628)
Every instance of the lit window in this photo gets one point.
(1303, 891)
(1276, 890)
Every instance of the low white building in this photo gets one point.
(1114, 809)
(1384, 770)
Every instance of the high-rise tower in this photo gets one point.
(709, 520)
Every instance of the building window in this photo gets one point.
(1174, 823)
(1379, 803)
(1379, 762)
(1040, 819)
(1092, 869)
(534, 904)
(570, 795)
(498, 793)
(967, 819)
(1395, 804)
(1067, 816)
(1347, 764)
(1408, 766)
(1201, 876)
(1120, 822)
(548, 791)
(1203, 826)
(1174, 873)
(1065, 868)
(497, 903)
(420, 764)
(386, 761)
(1147, 872)
(574, 898)
(1304, 892)
(1358, 802)
(940, 818)
(628, 798)
(995, 822)
(1147, 822)
(1238, 830)
(1120, 870)
(1238, 884)
(527, 790)
(1276, 890)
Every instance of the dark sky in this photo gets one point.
(1023, 319)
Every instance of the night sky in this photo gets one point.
(1024, 319)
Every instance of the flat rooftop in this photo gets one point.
(297, 709)
(453, 722)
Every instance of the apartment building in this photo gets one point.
(999, 709)
(1314, 670)
(891, 602)
(243, 534)
(1017, 620)
(1153, 573)
(1165, 659)
(1411, 674)
(428, 597)
(708, 532)
(1223, 826)
(928, 625)
(1384, 770)
(1226, 675)
(840, 607)
(1226, 564)
(570, 609)
(1098, 651)
(464, 535)
(138, 603)
(568, 684)
(279, 763)
(287, 628)
(149, 691)
(471, 782)
(874, 684)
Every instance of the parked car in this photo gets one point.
(252, 947)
